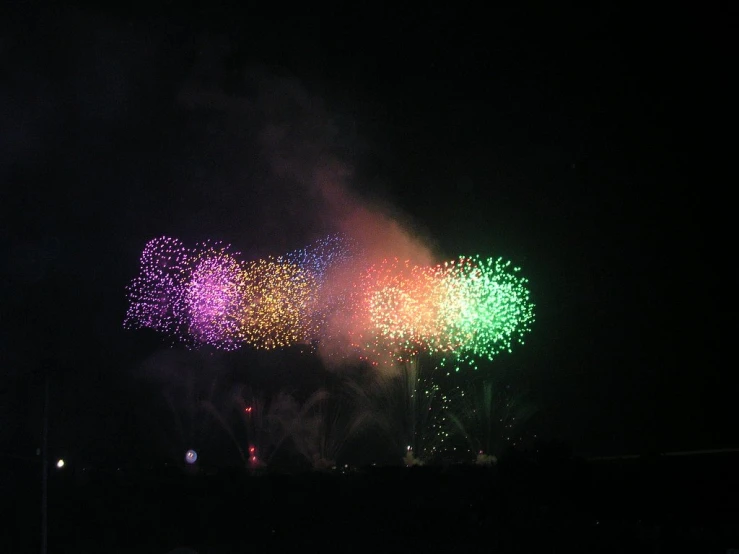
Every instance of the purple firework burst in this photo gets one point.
(155, 295)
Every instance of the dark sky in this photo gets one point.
(560, 140)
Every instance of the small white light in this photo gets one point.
(191, 456)
(60, 464)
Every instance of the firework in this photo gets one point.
(267, 423)
(327, 422)
(408, 408)
(155, 295)
(399, 310)
(213, 297)
(468, 309)
(492, 308)
(278, 299)
(331, 261)
(323, 255)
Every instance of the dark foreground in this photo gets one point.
(679, 504)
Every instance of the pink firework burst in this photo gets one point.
(213, 297)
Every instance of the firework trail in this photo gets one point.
(268, 424)
(327, 422)
(491, 417)
(408, 408)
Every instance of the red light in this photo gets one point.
(247, 409)
(251, 450)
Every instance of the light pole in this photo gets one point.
(45, 465)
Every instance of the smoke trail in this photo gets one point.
(313, 189)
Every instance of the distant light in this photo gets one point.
(191, 456)
(60, 464)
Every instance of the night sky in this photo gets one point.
(561, 141)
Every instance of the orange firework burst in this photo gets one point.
(278, 304)
(400, 309)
